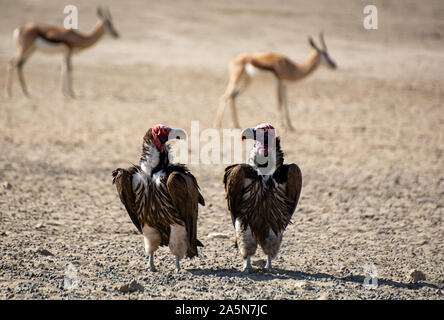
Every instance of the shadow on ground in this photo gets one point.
(263, 275)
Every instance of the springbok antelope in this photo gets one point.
(53, 39)
(247, 66)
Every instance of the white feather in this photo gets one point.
(157, 177)
(153, 158)
(252, 162)
(178, 240)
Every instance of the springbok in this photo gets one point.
(247, 66)
(54, 39)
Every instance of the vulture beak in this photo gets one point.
(162, 134)
(177, 134)
(249, 133)
(264, 135)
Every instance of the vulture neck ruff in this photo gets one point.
(152, 160)
(275, 159)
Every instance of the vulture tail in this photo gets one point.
(201, 200)
(192, 251)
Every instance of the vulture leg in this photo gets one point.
(151, 262)
(268, 264)
(177, 263)
(178, 243)
(150, 256)
(247, 266)
(151, 239)
(246, 243)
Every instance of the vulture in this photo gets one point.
(261, 195)
(161, 197)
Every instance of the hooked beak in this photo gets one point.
(248, 133)
(177, 134)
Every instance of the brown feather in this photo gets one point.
(263, 204)
(294, 184)
(172, 199)
(122, 179)
(185, 194)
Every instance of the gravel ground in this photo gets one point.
(369, 139)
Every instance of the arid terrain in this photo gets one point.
(369, 140)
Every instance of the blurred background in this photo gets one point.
(369, 139)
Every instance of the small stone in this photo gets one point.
(324, 296)
(217, 235)
(132, 287)
(7, 185)
(39, 226)
(44, 252)
(304, 284)
(415, 275)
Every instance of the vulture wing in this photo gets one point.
(184, 192)
(234, 181)
(294, 185)
(123, 180)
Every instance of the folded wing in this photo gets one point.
(123, 180)
(185, 195)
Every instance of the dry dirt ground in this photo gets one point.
(369, 140)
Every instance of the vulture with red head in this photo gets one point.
(262, 195)
(161, 197)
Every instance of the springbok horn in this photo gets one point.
(310, 40)
(100, 12)
(109, 14)
(321, 37)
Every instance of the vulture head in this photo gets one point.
(161, 134)
(265, 136)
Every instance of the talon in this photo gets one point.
(247, 270)
(268, 265)
(247, 267)
(178, 264)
